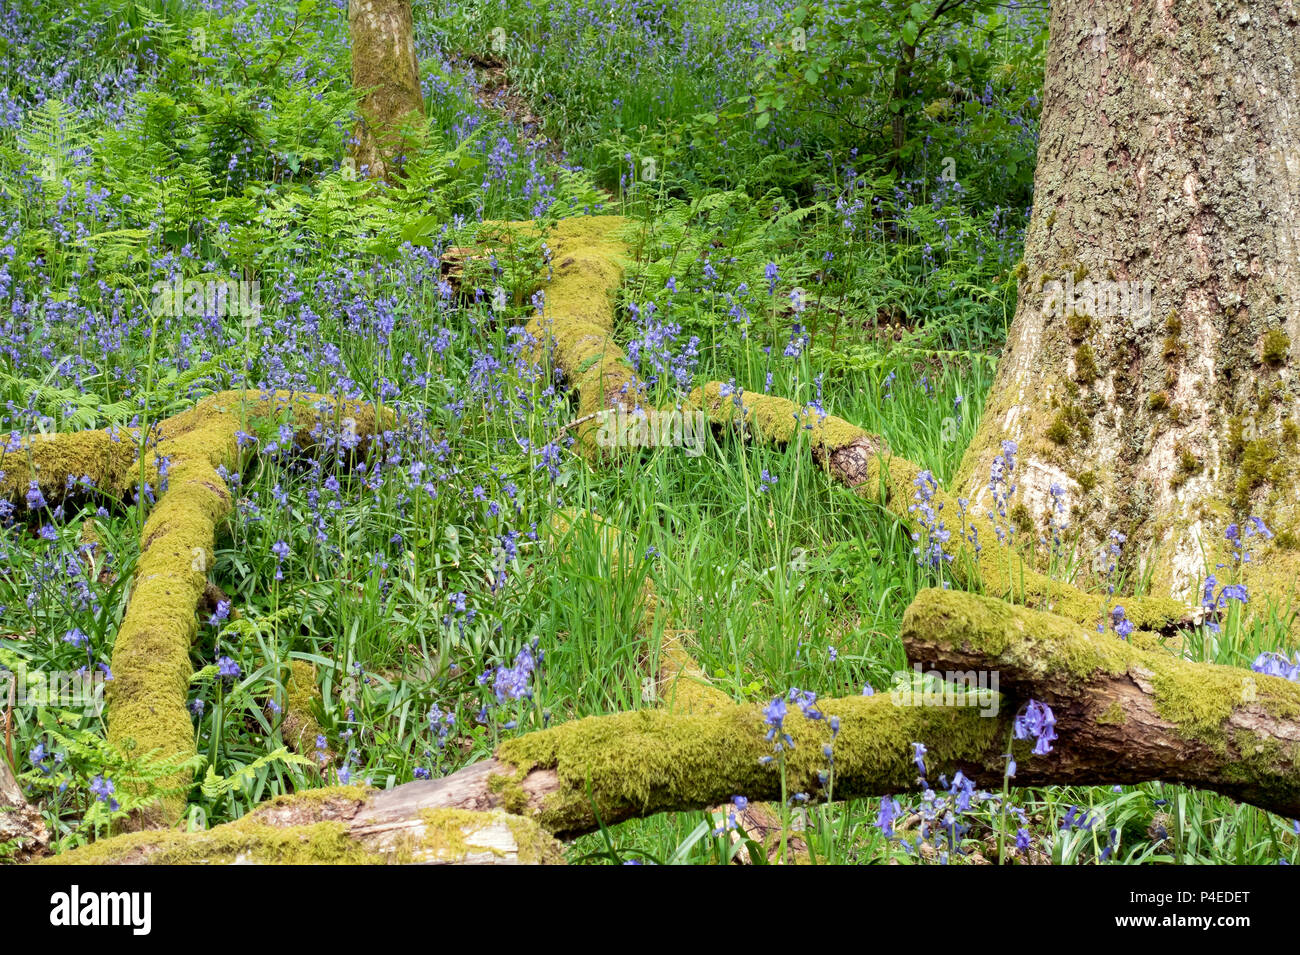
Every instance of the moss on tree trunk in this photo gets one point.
(1166, 166)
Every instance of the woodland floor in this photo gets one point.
(417, 593)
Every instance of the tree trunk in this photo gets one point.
(386, 73)
(1168, 165)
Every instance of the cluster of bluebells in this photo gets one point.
(659, 353)
(103, 790)
(511, 683)
(1002, 486)
(774, 716)
(1238, 537)
(932, 551)
(1277, 664)
(1215, 598)
(1056, 519)
(1109, 559)
(1037, 722)
(1119, 621)
(944, 813)
(440, 726)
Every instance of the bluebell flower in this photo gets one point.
(1037, 722)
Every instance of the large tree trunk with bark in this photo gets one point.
(1168, 166)
(386, 73)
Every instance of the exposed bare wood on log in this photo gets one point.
(21, 826)
(346, 825)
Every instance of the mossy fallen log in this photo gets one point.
(339, 826)
(863, 463)
(575, 330)
(1124, 715)
(185, 458)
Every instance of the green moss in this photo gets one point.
(1276, 348)
(1077, 326)
(643, 762)
(1087, 480)
(321, 843)
(1158, 402)
(151, 653)
(313, 828)
(299, 727)
(1259, 459)
(1189, 465)
(576, 324)
(775, 419)
(1059, 431)
(1011, 636)
(509, 789)
(450, 836)
(1085, 365)
(1113, 715)
(536, 845)
(683, 686)
(1174, 349)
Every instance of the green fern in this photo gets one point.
(215, 785)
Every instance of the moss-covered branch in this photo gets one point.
(576, 329)
(185, 458)
(1124, 715)
(863, 462)
(340, 826)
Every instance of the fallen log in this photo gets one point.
(1124, 714)
(22, 830)
(185, 462)
(574, 331)
(338, 826)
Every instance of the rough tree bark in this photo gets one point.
(1169, 158)
(386, 73)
